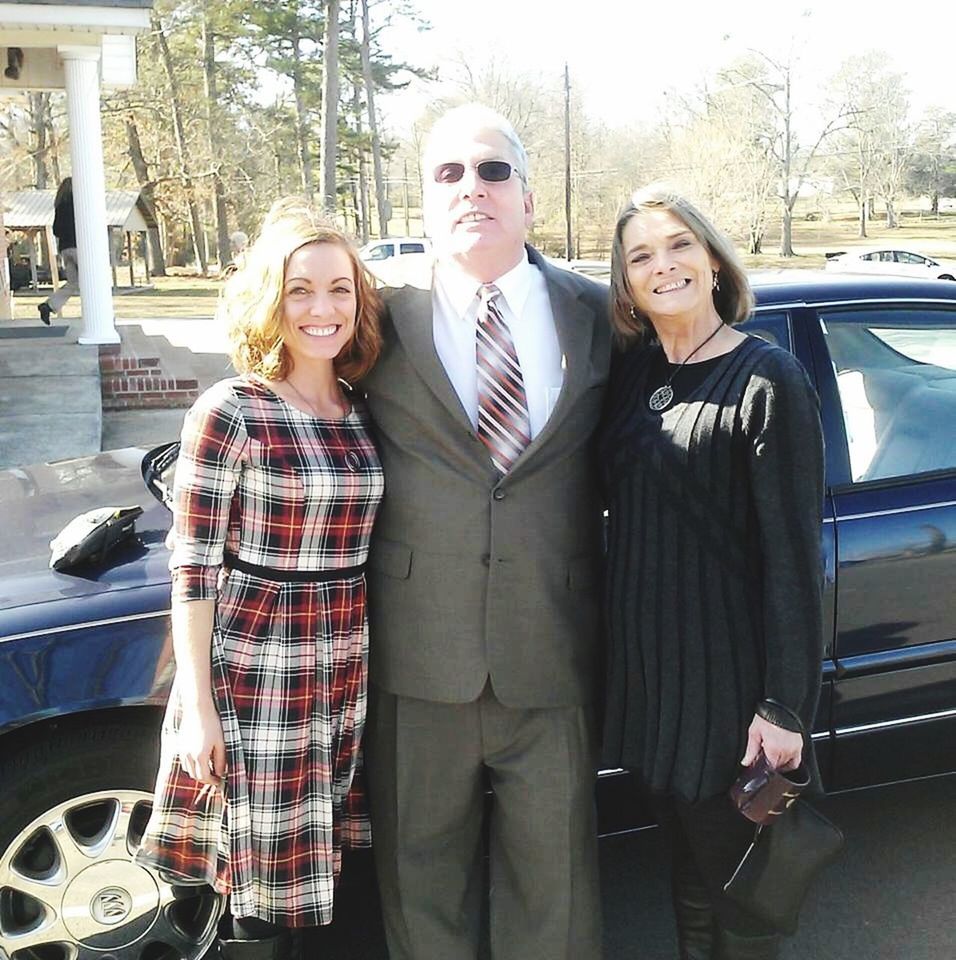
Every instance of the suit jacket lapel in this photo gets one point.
(574, 322)
(411, 311)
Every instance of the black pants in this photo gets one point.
(707, 841)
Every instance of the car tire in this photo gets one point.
(946, 276)
(73, 805)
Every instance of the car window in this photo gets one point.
(903, 257)
(772, 326)
(896, 378)
(381, 252)
(411, 248)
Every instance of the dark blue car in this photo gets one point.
(86, 657)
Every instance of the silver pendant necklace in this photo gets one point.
(663, 396)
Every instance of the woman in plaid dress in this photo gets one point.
(276, 490)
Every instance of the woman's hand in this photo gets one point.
(782, 748)
(202, 748)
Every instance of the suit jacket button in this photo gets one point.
(499, 494)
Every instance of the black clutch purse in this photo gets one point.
(89, 537)
(792, 843)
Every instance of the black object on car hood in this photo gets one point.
(36, 502)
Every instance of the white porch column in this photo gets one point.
(6, 296)
(81, 66)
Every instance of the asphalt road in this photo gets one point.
(891, 896)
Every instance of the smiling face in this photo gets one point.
(669, 271)
(319, 302)
(479, 225)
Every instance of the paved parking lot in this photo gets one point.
(890, 897)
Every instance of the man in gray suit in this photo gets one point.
(484, 574)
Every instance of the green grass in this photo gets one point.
(812, 239)
(175, 296)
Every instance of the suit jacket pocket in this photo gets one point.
(390, 557)
(584, 573)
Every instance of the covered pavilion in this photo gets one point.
(80, 46)
(30, 212)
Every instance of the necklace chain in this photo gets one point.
(309, 406)
(663, 396)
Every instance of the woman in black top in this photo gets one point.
(64, 229)
(713, 461)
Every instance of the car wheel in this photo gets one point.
(946, 276)
(72, 810)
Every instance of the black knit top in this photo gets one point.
(715, 572)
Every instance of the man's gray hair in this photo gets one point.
(468, 119)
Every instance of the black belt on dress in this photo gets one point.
(292, 576)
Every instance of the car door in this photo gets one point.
(913, 265)
(788, 327)
(887, 376)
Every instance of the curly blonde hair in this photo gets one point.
(250, 304)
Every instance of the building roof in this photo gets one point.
(141, 4)
(33, 209)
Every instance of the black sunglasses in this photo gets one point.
(491, 171)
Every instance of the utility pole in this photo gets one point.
(408, 225)
(567, 160)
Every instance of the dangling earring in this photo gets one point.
(716, 281)
(634, 315)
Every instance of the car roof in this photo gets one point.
(857, 251)
(887, 248)
(375, 243)
(779, 287)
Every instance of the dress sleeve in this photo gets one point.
(214, 442)
(785, 452)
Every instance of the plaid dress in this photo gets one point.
(275, 487)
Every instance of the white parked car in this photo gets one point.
(891, 261)
(394, 247)
(397, 260)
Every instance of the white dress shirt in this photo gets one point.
(526, 308)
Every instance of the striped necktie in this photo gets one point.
(503, 422)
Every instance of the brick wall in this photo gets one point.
(138, 383)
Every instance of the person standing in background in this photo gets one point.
(64, 229)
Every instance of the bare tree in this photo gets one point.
(215, 143)
(330, 105)
(175, 104)
(876, 143)
(719, 149)
(381, 201)
(42, 130)
(773, 80)
(147, 188)
(932, 169)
